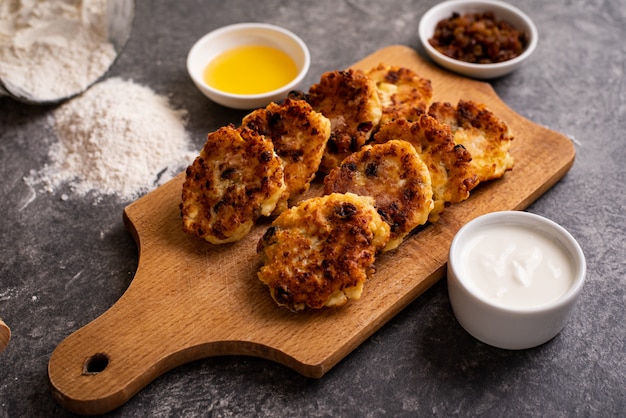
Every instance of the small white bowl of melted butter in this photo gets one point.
(248, 65)
(514, 278)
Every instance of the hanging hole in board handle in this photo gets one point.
(95, 364)
(5, 335)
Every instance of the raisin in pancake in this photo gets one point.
(299, 135)
(350, 100)
(403, 94)
(236, 179)
(448, 164)
(483, 134)
(319, 253)
(394, 175)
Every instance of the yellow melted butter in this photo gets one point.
(250, 69)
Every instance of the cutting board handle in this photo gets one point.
(182, 305)
(168, 316)
(102, 365)
(5, 335)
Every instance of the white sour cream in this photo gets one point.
(517, 267)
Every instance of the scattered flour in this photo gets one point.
(117, 138)
(53, 49)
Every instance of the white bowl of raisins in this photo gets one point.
(482, 39)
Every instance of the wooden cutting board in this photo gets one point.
(190, 299)
(5, 335)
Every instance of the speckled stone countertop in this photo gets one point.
(63, 262)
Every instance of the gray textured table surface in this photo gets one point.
(64, 262)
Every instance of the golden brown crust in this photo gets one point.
(402, 92)
(448, 164)
(236, 179)
(350, 100)
(299, 135)
(483, 134)
(319, 253)
(395, 177)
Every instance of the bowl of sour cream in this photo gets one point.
(248, 65)
(513, 278)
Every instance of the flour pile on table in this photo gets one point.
(117, 138)
(53, 49)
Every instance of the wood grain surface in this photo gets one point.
(5, 335)
(190, 299)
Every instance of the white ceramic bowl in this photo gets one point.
(502, 11)
(494, 322)
(228, 37)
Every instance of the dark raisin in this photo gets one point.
(332, 146)
(371, 170)
(346, 210)
(282, 294)
(218, 205)
(229, 173)
(392, 77)
(296, 155)
(365, 126)
(273, 118)
(297, 95)
(266, 156)
(269, 234)
(354, 144)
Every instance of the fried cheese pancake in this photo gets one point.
(483, 134)
(448, 164)
(236, 179)
(403, 94)
(319, 253)
(299, 135)
(396, 178)
(350, 100)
